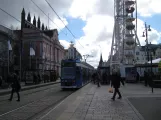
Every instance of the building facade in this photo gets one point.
(45, 43)
(72, 53)
(141, 53)
(6, 54)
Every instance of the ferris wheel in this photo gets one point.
(124, 40)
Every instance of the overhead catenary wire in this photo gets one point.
(49, 18)
(63, 23)
(10, 15)
(45, 14)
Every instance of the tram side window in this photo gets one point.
(78, 72)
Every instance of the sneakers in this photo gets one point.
(119, 97)
(16, 100)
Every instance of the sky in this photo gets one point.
(90, 21)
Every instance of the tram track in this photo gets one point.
(45, 103)
(32, 91)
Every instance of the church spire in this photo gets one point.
(38, 23)
(101, 60)
(43, 26)
(29, 17)
(23, 18)
(34, 21)
(46, 28)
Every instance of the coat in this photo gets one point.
(15, 83)
(115, 80)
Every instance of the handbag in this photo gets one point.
(110, 90)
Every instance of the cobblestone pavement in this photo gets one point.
(93, 103)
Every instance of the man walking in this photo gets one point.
(15, 86)
(115, 83)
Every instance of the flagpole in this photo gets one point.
(21, 53)
(8, 59)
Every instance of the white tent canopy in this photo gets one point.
(155, 61)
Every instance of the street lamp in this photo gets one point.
(151, 75)
(86, 56)
(145, 34)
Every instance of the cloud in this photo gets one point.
(60, 6)
(154, 36)
(98, 15)
(148, 7)
(85, 9)
(65, 43)
(98, 35)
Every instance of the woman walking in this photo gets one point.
(115, 83)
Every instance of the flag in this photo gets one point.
(32, 51)
(9, 45)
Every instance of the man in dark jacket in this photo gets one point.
(115, 83)
(15, 87)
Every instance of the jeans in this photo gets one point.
(115, 92)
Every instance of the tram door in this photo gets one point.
(78, 76)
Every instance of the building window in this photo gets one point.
(137, 53)
(137, 58)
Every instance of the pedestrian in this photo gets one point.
(145, 78)
(34, 78)
(15, 86)
(115, 83)
(39, 78)
(104, 78)
(137, 77)
(98, 78)
(94, 77)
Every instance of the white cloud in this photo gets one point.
(65, 43)
(60, 6)
(97, 39)
(153, 35)
(84, 9)
(149, 7)
(98, 15)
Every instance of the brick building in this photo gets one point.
(6, 55)
(48, 50)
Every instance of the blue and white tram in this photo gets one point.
(75, 74)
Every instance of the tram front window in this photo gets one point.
(67, 72)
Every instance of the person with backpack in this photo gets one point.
(15, 87)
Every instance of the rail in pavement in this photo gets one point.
(23, 88)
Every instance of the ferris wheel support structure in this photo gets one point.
(124, 40)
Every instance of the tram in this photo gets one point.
(75, 74)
